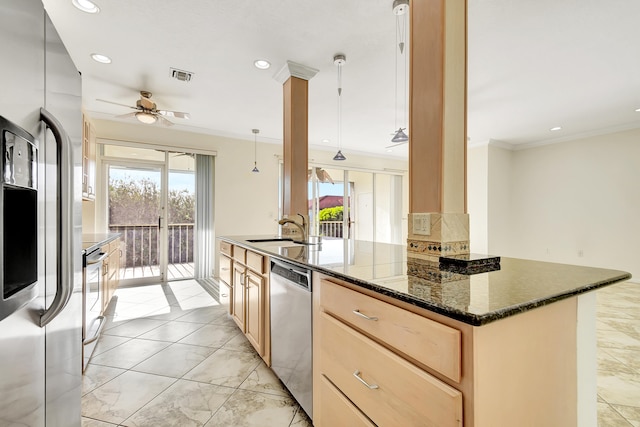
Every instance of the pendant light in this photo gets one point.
(400, 9)
(255, 150)
(339, 60)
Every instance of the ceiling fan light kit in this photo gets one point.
(146, 118)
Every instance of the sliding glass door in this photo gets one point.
(151, 201)
(136, 205)
(355, 204)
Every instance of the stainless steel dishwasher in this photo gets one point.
(291, 330)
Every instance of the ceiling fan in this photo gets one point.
(147, 112)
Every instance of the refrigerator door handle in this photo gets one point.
(64, 233)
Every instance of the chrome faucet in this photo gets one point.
(302, 228)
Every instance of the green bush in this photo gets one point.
(331, 214)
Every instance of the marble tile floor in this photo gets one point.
(171, 356)
(618, 329)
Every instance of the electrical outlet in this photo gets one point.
(421, 224)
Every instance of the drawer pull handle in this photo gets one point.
(357, 313)
(370, 386)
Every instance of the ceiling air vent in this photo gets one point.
(183, 76)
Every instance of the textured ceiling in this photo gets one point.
(532, 65)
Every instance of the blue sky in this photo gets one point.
(178, 180)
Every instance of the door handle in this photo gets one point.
(64, 219)
(159, 225)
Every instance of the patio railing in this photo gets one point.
(333, 229)
(140, 244)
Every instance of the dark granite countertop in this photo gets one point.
(93, 241)
(476, 299)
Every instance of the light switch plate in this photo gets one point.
(422, 224)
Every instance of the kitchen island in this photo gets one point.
(400, 340)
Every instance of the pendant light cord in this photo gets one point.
(339, 106)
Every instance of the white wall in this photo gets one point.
(477, 197)
(499, 195)
(246, 202)
(575, 202)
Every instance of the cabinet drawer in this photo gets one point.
(337, 410)
(224, 271)
(431, 343)
(239, 254)
(226, 248)
(401, 394)
(255, 262)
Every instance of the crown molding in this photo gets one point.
(293, 69)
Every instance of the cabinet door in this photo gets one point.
(85, 157)
(224, 270)
(238, 295)
(104, 280)
(91, 172)
(255, 311)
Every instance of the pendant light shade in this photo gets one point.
(339, 60)
(339, 156)
(400, 136)
(255, 150)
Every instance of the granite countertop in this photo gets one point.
(519, 285)
(93, 241)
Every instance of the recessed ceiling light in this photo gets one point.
(103, 59)
(86, 6)
(262, 64)
(553, 129)
(637, 110)
(389, 150)
(326, 141)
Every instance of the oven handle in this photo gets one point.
(98, 331)
(97, 260)
(64, 208)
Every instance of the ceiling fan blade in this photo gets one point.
(162, 121)
(116, 103)
(176, 114)
(126, 116)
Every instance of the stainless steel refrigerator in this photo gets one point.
(40, 223)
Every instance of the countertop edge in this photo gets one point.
(96, 244)
(468, 318)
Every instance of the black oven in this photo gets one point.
(92, 308)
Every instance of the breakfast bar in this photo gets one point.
(405, 341)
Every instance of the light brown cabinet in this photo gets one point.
(381, 384)
(381, 359)
(110, 270)
(88, 160)
(224, 282)
(238, 295)
(246, 274)
(254, 316)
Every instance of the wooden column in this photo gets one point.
(438, 222)
(295, 80)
